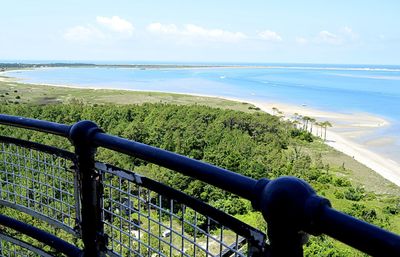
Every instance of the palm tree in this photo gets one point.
(306, 119)
(319, 128)
(312, 121)
(296, 118)
(326, 124)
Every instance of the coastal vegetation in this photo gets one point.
(16, 65)
(42, 95)
(252, 143)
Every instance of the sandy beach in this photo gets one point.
(345, 133)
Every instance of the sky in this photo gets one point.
(206, 31)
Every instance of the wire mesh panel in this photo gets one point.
(39, 182)
(12, 247)
(145, 218)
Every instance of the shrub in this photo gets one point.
(338, 194)
(354, 194)
(390, 209)
(362, 212)
(341, 182)
(324, 179)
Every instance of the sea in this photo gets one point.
(373, 89)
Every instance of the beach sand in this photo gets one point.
(345, 135)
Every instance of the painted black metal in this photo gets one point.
(256, 238)
(39, 147)
(33, 124)
(358, 234)
(224, 179)
(92, 229)
(35, 214)
(40, 235)
(289, 205)
(229, 252)
(23, 244)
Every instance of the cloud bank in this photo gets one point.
(328, 37)
(269, 35)
(343, 36)
(191, 31)
(104, 28)
(116, 24)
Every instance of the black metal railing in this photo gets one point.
(96, 209)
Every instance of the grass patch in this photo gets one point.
(39, 94)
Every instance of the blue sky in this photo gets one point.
(347, 32)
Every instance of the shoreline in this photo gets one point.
(346, 127)
(359, 124)
(307, 66)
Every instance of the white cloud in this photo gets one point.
(190, 31)
(116, 24)
(83, 33)
(106, 28)
(347, 30)
(348, 33)
(270, 36)
(328, 37)
(163, 28)
(301, 40)
(343, 36)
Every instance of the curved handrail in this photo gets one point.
(33, 124)
(353, 232)
(41, 236)
(39, 147)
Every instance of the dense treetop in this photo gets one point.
(256, 145)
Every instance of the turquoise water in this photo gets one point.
(343, 89)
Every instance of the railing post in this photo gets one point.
(90, 188)
(290, 206)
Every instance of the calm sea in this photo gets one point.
(347, 89)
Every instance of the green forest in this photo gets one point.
(254, 144)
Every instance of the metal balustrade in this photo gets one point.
(10, 247)
(88, 208)
(40, 181)
(145, 217)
